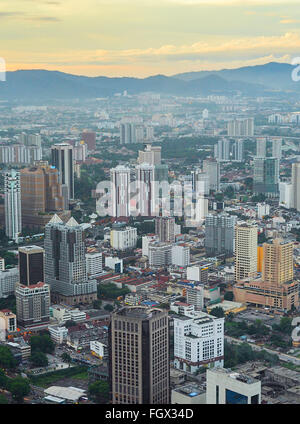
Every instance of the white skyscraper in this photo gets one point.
(146, 189)
(212, 169)
(261, 147)
(245, 251)
(120, 196)
(276, 147)
(222, 150)
(296, 185)
(12, 200)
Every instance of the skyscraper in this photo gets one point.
(241, 127)
(266, 176)
(63, 160)
(127, 133)
(222, 150)
(89, 137)
(65, 263)
(31, 265)
(41, 192)
(139, 356)
(212, 169)
(165, 228)
(146, 189)
(12, 202)
(296, 185)
(276, 147)
(120, 196)
(219, 234)
(261, 147)
(278, 267)
(238, 150)
(33, 304)
(245, 251)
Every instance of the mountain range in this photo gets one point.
(45, 85)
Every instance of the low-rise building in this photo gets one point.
(58, 334)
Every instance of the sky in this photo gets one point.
(140, 38)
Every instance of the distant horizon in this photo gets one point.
(152, 75)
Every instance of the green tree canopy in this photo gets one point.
(19, 387)
(39, 359)
(7, 360)
(99, 391)
(217, 312)
(42, 343)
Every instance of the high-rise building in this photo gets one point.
(123, 238)
(127, 133)
(276, 147)
(145, 177)
(222, 150)
(195, 296)
(9, 278)
(266, 176)
(31, 265)
(165, 228)
(33, 304)
(238, 150)
(65, 263)
(286, 195)
(261, 147)
(198, 341)
(296, 186)
(139, 337)
(62, 158)
(278, 267)
(150, 155)
(120, 196)
(41, 195)
(245, 251)
(160, 254)
(219, 234)
(212, 169)
(241, 127)
(89, 137)
(225, 387)
(19, 154)
(12, 204)
(181, 255)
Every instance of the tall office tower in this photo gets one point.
(238, 150)
(89, 137)
(12, 204)
(31, 265)
(165, 228)
(219, 234)
(212, 169)
(286, 195)
(278, 263)
(150, 155)
(127, 133)
(276, 147)
(63, 160)
(222, 150)
(65, 263)
(261, 147)
(245, 251)
(33, 304)
(241, 127)
(139, 336)
(296, 186)
(266, 176)
(146, 189)
(120, 195)
(41, 195)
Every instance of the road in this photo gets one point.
(282, 356)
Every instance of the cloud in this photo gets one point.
(289, 21)
(43, 19)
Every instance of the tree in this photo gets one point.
(108, 307)
(39, 359)
(229, 296)
(19, 387)
(3, 400)
(42, 343)
(100, 391)
(7, 360)
(66, 357)
(217, 312)
(97, 304)
(3, 379)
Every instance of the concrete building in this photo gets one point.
(146, 240)
(261, 147)
(139, 336)
(145, 184)
(8, 323)
(17, 154)
(120, 196)
(238, 150)
(220, 234)
(197, 273)
(94, 262)
(160, 254)
(114, 263)
(150, 155)
(60, 313)
(222, 150)
(189, 394)
(276, 147)
(286, 195)
(263, 209)
(266, 176)
(31, 265)
(8, 281)
(296, 185)
(33, 304)
(58, 334)
(65, 263)
(98, 349)
(89, 137)
(241, 127)
(165, 229)
(227, 387)
(195, 296)
(245, 251)
(198, 342)
(62, 158)
(123, 238)
(212, 169)
(12, 204)
(181, 255)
